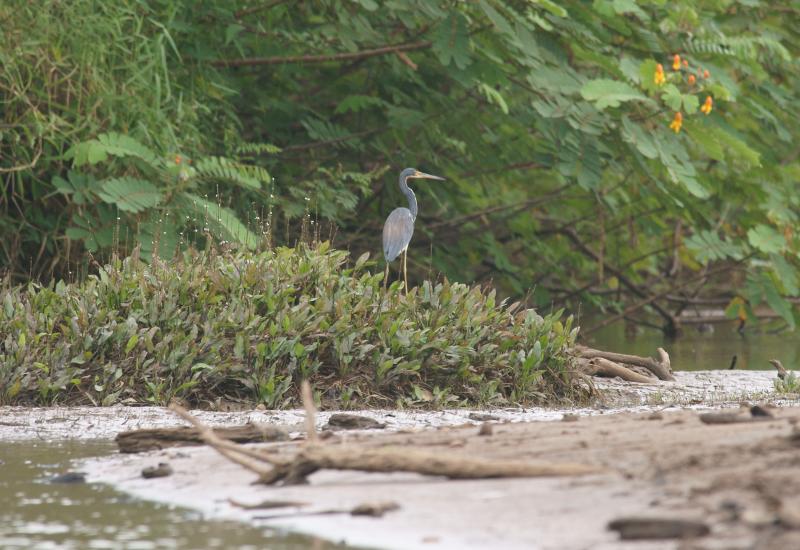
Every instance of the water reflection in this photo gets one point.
(35, 513)
(695, 350)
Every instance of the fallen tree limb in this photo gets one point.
(137, 441)
(318, 457)
(662, 368)
(731, 418)
(658, 528)
(600, 366)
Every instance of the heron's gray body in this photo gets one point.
(399, 226)
(397, 233)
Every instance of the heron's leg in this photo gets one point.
(405, 269)
(386, 277)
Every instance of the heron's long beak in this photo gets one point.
(423, 175)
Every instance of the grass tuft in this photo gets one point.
(248, 328)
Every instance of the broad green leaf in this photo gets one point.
(786, 274)
(232, 31)
(647, 71)
(630, 7)
(766, 239)
(778, 303)
(633, 133)
(690, 103)
(451, 41)
(706, 139)
(672, 97)
(708, 246)
(552, 7)
(496, 18)
(610, 93)
(737, 150)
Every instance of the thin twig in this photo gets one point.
(220, 445)
(311, 412)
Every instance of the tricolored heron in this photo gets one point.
(399, 226)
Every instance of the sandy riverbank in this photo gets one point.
(663, 465)
(700, 389)
(742, 480)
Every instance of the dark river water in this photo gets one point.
(695, 350)
(37, 514)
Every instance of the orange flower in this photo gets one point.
(676, 62)
(706, 74)
(677, 122)
(692, 80)
(706, 108)
(177, 159)
(659, 77)
(685, 64)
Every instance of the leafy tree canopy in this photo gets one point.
(592, 149)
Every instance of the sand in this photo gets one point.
(658, 460)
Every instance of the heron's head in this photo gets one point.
(413, 173)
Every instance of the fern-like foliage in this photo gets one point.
(245, 175)
(130, 194)
(249, 148)
(97, 150)
(740, 47)
(221, 222)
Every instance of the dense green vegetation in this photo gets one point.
(575, 166)
(248, 327)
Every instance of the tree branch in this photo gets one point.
(650, 300)
(573, 236)
(322, 58)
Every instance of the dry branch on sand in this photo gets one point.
(316, 455)
(605, 363)
(137, 441)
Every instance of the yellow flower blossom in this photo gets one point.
(676, 62)
(677, 122)
(706, 108)
(659, 77)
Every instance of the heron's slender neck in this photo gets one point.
(412, 199)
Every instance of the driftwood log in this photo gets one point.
(316, 455)
(600, 366)
(137, 441)
(606, 363)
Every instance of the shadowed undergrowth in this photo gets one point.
(248, 328)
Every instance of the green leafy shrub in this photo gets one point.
(248, 327)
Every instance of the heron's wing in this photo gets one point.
(397, 232)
